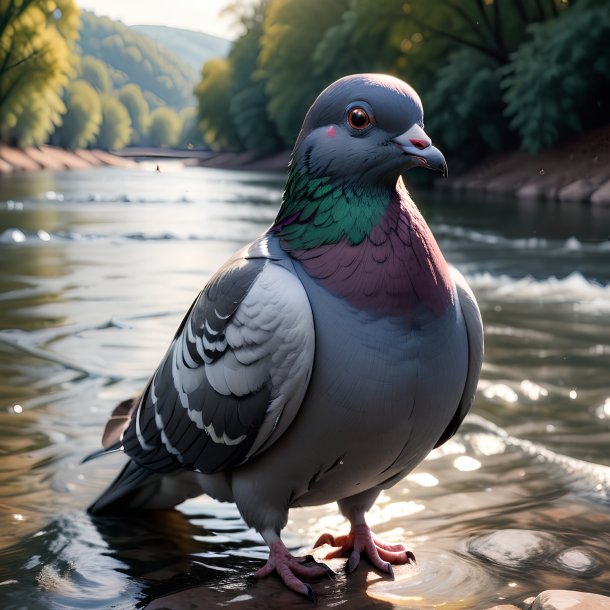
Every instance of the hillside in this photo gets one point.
(132, 57)
(193, 48)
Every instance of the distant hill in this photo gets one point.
(193, 48)
(133, 57)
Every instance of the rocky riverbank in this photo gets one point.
(559, 599)
(53, 158)
(576, 171)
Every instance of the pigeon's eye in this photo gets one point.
(358, 118)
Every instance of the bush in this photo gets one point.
(559, 78)
(464, 108)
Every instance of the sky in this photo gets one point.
(201, 15)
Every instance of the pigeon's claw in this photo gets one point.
(361, 540)
(291, 570)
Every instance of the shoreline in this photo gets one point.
(18, 160)
(578, 170)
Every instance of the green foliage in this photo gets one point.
(464, 107)
(132, 98)
(95, 72)
(81, 124)
(249, 100)
(560, 77)
(366, 24)
(193, 48)
(542, 63)
(190, 133)
(291, 31)
(214, 95)
(36, 37)
(115, 130)
(164, 128)
(135, 58)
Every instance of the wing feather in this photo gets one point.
(241, 358)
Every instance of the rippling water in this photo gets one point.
(96, 270)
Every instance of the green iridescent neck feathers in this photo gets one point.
(318, 211)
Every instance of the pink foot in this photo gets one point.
(361, 539)
(289, 569)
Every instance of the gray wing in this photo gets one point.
(234, 376)
(474, 330)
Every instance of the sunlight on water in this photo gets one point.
(98, 268)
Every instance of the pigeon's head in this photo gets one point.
(365, 127)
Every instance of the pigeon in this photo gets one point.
(324, 360)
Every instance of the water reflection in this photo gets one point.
(91, 295)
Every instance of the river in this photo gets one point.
(97, 268)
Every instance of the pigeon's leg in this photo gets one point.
(289, 568)
(362, 540)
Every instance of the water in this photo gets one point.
(97, 268)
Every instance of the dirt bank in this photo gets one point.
(577, 170)
(53, 158)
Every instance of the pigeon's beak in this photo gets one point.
(415, 143)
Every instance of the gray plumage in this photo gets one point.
(327, 358)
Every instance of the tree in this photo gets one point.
(214, 96)
(291, 31)
(115, 130)
(377, 27)
(190, 134)
(96, 73)
(249, 101)
(164, 128)
(81, 124)
(36, 38)
(132, 98)
(558, 81)
(135, 58)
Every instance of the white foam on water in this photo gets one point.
(593, 479)
(571, 244)
(574, 288)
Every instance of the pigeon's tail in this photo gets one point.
(126, 492)
(137, 488)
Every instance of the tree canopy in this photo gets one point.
(164, 128)
(49, 76)
(132, 57)
(115, 129)
(36, 38)
(82, 122)
(214, 95)
(493, 75)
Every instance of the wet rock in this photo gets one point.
(602, 195)
(580, 190)
(568, 600)
(531, 190)
(576, 560)
(511, 547)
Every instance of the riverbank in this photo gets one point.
(52, 158)
(576, 171)
(209, 158)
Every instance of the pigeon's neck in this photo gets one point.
(318, 211)
(377, 253)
